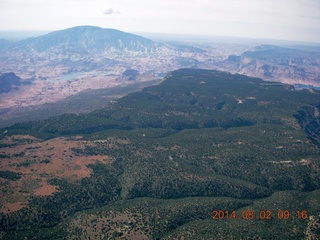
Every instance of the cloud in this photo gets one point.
(111, 11)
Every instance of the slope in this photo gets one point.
(84, 38)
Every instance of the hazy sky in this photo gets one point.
(275, 19)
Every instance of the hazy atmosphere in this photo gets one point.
(273, 19)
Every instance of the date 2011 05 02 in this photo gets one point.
(262, 214)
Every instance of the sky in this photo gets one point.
(297, 20)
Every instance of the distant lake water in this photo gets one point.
(68, 77)
(301, 86)
(74, 75)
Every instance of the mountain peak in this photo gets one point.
(88, 39)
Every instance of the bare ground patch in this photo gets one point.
(45, 190)
(11, 207)
(37, 161)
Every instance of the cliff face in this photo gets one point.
(309, 119)
(275, 63)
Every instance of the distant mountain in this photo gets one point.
(276, 63)
(89, 53)
(86, 39)
(89, 48)
(8, 81)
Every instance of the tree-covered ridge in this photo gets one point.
(201, 140)
(187, 99)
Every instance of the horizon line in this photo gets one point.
(180, 36)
